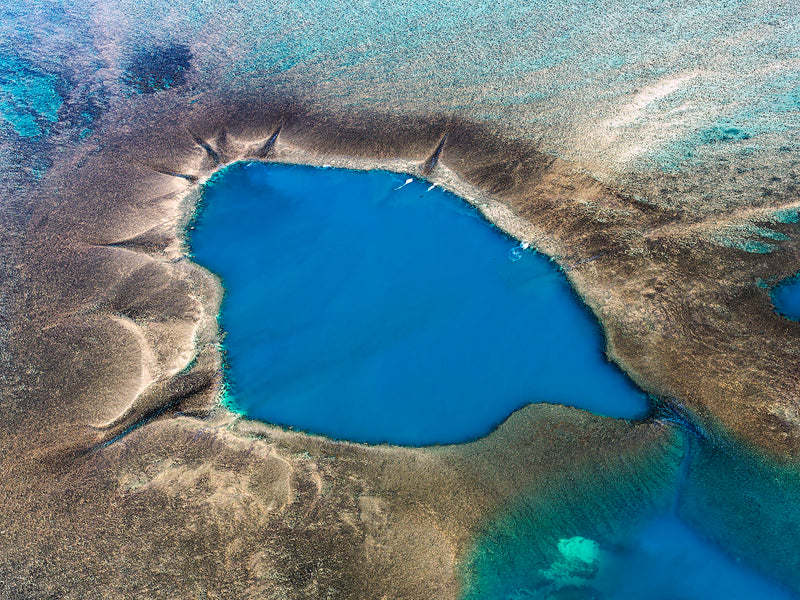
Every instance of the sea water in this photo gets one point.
(373, 307)
(663, 560)
(669, 561)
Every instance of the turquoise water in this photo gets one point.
(786, 297)
(365, 308)
(663, 560)
(29, 101)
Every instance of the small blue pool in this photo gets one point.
(371, 307)
(786, 298)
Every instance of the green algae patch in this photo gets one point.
(29, 101)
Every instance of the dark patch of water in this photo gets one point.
(159, 68)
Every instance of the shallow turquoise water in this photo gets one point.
(29, 101)
(787, 298)
(368, 310)
(663, 560)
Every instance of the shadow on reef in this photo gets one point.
(159, 68)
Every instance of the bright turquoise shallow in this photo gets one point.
(664, 560)
(365, 312)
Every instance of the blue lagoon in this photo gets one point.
(372, 307)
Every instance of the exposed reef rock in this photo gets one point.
(183, 505)
(124, 477)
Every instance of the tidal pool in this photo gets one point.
(786, 297)
(369, 306)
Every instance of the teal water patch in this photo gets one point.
(725, 134)
(789, 215)
(786, 298)
(29, 101)
(746, 237)
(751, 246)
(371, 307)
(771, 234)
(663, 560)
(576, 564)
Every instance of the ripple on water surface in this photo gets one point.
(367, 307)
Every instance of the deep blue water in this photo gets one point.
(365, 312)
(786, 297)
(669, 561)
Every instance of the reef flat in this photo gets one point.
(125, 452)
(662, 293)
(669, 201)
